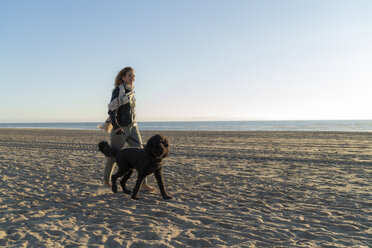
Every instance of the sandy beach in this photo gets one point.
(230, 189)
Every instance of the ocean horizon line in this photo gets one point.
(253, 125)
(255, 120)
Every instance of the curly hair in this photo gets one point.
(119, 77)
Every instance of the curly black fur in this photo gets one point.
(106, 149)
(146, 161)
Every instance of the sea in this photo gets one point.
(313, 125)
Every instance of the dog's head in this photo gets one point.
(157, 146)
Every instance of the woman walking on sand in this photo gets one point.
(122, 112)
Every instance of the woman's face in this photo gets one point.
(129, 77)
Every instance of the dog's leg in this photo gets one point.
(114, 187)
(159, 178)
(124, 181)
(139, 181)
(114, 177)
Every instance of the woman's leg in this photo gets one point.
(108, 170)
(117, 142)
(135, 139)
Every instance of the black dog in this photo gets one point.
(146, 161)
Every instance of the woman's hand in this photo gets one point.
(119, 131)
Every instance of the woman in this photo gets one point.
(122, 112)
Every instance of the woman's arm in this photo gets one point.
(112, 106)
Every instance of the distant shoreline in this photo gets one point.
(311, 125)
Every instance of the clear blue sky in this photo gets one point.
(194, 60)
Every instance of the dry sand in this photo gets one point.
(231, 189)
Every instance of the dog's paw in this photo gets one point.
(127, 191)
(135, 197)
(167, 197)
(114, 188)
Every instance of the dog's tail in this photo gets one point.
(106, 149)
